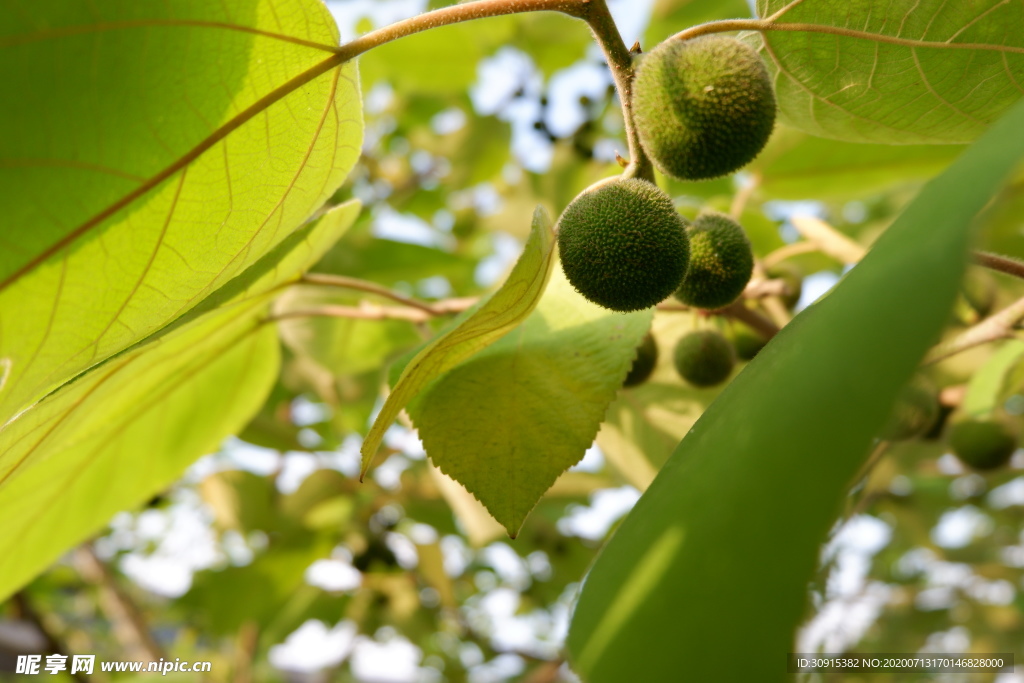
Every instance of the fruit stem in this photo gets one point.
(1002, 264)
(997, 326)
(620, 63)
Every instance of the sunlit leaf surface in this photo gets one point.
(718, 552)
(530, 404)
(125, 430)
(498, 315)
(895, 71)
(203, 134)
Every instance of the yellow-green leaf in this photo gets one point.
(492, 320)
(125, 430)
(155, 151)
(895, 71)
(507, 422)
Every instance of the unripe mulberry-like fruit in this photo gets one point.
(705, 358)
(747, 342)
(623, 246)
(721, 262)
(704, 107)
(644, 363)
(916, 411)
(983, 444)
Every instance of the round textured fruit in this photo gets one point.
(623, 246)
(704, 359)
(747, 342)
(644, 363)
(704, 107)
(982, 444)
(721, 262)
(916, 411)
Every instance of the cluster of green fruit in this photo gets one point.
(704, 108)
(704, 358)
(980, 442)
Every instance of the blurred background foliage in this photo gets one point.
(271, 560)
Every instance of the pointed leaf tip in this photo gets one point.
(492, 319)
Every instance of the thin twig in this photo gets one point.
(759, 288)
(455, 14)
(742, 197)
(126, 619)
(829, 240)
(368, 311)
(1002, 264)
(784, 252)
(997, 326)
(739, 311)
(344, 282)
(866, 497)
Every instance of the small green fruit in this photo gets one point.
(980, 291)
(721, 262)
(623, 246)
(915, 412)
(704, 107)
(705, 358)
(644, 363)
(983, 444)
(747, 342)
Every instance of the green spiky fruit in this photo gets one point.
(644, 363)
(623, 246)
(915, 412)
(705, 358)
(721, 262)
(704, 107)
(983, 444)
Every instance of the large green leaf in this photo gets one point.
(126, 429)
(156, 151)
(495, 317)
(708, 574)
(797, 166)
(340, 346)
(895, 71)
(529, 405)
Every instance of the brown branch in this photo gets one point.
(759, 288)
(54, 643)
(739, 311)
(126, 619)
(742, 197)
(344, 282)
(776, 257)
(456, 14)
(368, 311)
(997, 326)
(1002, 264)
(828, 240)
(245, 651)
